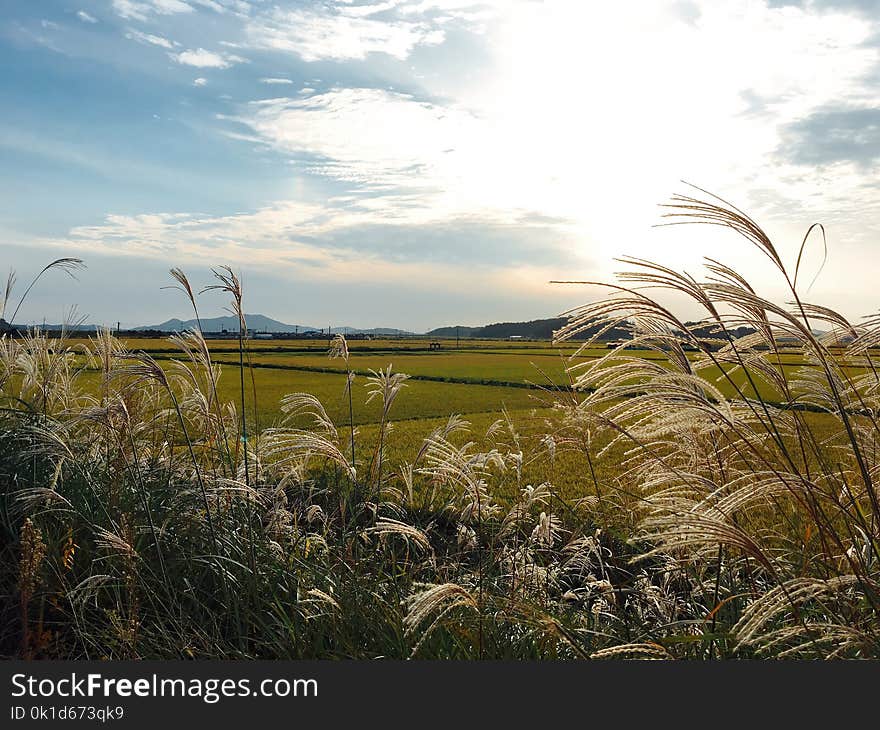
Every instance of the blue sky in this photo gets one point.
(415, 163)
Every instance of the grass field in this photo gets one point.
(484, 376)
(516, 363)
(320, 344)
(418, 399)
(425, 405)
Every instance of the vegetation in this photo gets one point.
(682, 499)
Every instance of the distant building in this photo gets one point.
(226, 334)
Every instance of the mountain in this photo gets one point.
(6, 327)
(710, 331)
(536, 329)
(454, 331)
(258, 322)
(374, 331)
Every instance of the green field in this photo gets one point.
(483, 377)
(320, 344)
(461, 381)
(487, 379)
(515, 367)
(418, 399)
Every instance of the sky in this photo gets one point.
(419, 163)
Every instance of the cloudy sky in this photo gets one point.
(415, 163)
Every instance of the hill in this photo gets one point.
(453, 331)
(536, 329)
(258, 322)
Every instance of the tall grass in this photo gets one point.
(779, 518)
(140, 520)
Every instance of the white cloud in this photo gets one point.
(142, 9)
(153, 40)
(210, 4)
(294, 239)
(200, 58)
(200, 81)
(168, 7)
(368, 135)
(85, 17)
(131, 10)
(275, 81)
(416, 160)
(339, 32)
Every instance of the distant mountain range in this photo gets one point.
(536, 329)
(52, 327)
(257, 322)
(260, 323)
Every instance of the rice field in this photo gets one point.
(417, 400)
(481, 379)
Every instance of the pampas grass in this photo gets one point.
(146, 518)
